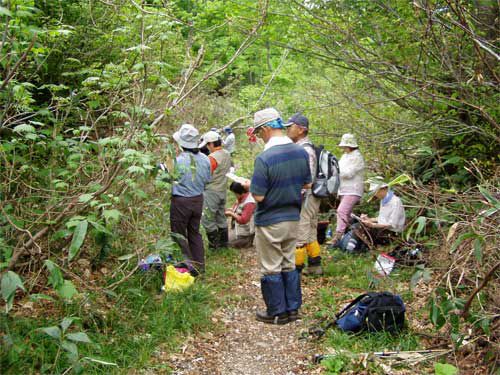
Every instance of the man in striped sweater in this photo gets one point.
(281, 171)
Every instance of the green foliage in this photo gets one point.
(422, 273)
(64, 288)
(334, 365)
(79, 234)
(84, 85)
(445, 369)
(9, 285)
(68, 342)
(127, 328)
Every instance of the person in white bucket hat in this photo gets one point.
(351, 172)
(187, 197)
(214, 198)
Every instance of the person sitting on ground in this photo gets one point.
(351, 173)
(242, 226)
(214, 197)
(390, 220)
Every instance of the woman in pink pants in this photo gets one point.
(352, 171)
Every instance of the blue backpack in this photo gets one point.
(373, 312)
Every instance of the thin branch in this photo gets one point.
(18, 63)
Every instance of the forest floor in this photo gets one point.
(240, 344)
(211, 327)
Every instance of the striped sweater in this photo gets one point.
(279, 174)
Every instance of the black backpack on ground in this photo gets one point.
(373, 312)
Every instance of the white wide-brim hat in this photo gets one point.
(348, 140)
(187, 136)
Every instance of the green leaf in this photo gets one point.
(445, 369)
(133, 169)
(478, 249)
(84, 198)
(78, 337)
(126, 256)
(488, 196)
(39, 297)
(55, 278)
(111, 215)
(436, 315)
(53, 331)
(10, 283)
(66, 322)
(23, 128)
(78, 237)
(99, 227)
(485, 325)
(461, 239)
(454, 160)
(67, 290)
(416, 278)
(401, 179)
(421, 220)
(70, 347)
(5, 12)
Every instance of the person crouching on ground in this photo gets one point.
(242, 230)
(281, 171)
(391, 217)
(214, 198)
(307, 241)
(187, 197)
(351, 173)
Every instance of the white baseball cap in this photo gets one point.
(210, 136)
(376, 184)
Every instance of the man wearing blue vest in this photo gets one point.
(281, 171)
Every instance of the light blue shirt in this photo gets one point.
(187, 163)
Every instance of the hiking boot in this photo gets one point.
(293, 316)
(313, 271)
(223, 237)
(213, 240)
(262, 316)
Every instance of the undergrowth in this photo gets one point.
(128, 328)
(348, 276)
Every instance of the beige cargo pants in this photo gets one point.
(276, 247)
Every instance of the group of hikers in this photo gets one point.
(276, 209)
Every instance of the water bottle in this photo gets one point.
(329, 233)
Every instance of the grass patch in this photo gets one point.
(129, 327)
(348, 276)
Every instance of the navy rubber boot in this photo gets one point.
(273, 292)
(293, 291)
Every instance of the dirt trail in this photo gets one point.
(245, 346)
